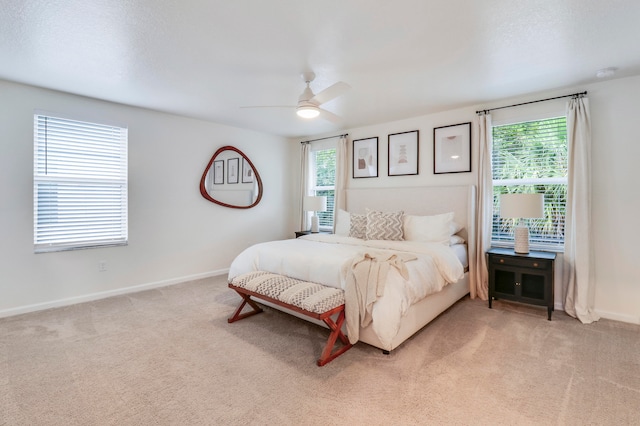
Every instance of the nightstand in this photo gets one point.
(301, 233)
(525, 278)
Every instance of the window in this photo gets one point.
(323, 179)
(80, 184)
(532, 157)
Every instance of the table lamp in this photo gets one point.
(315, 204)
(521, 206)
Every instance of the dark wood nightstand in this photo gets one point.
(525, 278)
(301, 233)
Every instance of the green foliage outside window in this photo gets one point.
(325, 178)
(532, 157)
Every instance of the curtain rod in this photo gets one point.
(485, 111)
(328, 137)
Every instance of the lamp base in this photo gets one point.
(315, 224)
(521, 235)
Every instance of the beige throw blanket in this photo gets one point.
(366, 276)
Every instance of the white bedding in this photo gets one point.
(320, 258)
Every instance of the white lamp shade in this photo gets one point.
(315, 204)
(520, 206)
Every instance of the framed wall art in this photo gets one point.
(247, 171)
(365, 158)
(218, 172)
(452, 148)
(232, 170)
(403, 153)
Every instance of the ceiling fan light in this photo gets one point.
(307, 112)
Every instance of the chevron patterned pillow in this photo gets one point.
(358, 226)
(384, 226)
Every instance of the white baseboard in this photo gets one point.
(618, 317)
(607, 315)
(104, 294)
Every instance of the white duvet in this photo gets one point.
(320, 258)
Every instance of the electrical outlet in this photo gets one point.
(102, 266)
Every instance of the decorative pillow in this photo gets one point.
(358, 226)
(455, 227)
(343, 223)
(435, 229)
(384, 226)
(456, 239)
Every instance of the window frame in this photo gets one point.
(509, 241)
(82, 160)
(315, 189)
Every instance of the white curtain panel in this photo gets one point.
(304, 186)
(342, 174)
(484, 204)
(578, 251)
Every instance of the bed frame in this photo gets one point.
(422, 201)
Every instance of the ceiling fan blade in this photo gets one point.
(269, 106)
(331, 92)
(329, 116)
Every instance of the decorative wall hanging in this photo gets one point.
(452, 148)
(403, 153)
(231, 193)
(232, 170)
(218, 172)
(365, 158)
(247, 172)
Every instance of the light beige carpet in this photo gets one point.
(168, 357)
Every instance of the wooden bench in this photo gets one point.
(310, 299)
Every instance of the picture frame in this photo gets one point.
(403, 150)
(218, 172)
(233, 165)
(365, 158)
(452, 148)
(247, 171)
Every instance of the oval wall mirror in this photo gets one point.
(231, 180)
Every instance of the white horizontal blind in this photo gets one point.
(324, 179)
(532, 157)
(80, 184)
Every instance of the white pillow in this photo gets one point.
(437, 228)
(343, 223)
(456, 239)
(455, 227)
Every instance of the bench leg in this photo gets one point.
(246, 299)
(336, 332)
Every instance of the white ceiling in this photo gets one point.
(403, 58)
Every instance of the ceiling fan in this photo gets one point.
(309, 103)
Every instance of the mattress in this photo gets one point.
(462, 254)
(325, 259)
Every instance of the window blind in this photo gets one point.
(532, 157)
(324, 178)
(80, 184)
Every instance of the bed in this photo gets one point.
(413, 297)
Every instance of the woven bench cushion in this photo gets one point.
(311, 297)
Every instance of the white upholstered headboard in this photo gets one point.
(421, 200)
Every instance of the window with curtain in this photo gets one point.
(531, 157)
(80, 184)
(323, 179)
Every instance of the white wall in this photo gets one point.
(615, 165)
(174, 233)
(616, 197)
